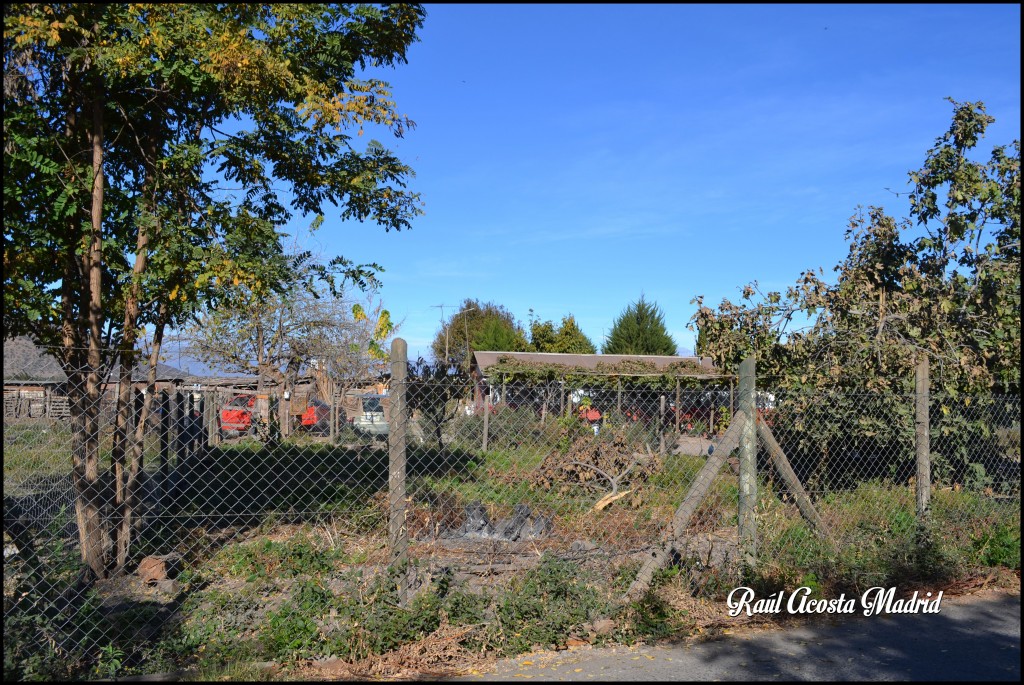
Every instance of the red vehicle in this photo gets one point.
(317, 416)
(236, 415)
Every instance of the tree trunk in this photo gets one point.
(129, 518)
(125, 404)
(89, 501)
(124, 482)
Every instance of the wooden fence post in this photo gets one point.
(923, 480)
(165, 430)
(679, 406)
(748, 463)
(717, 453)
(487, 411)
(661, 427)
(212, 419)
(732, 397)
(334, 418)
(286, 412)
(178, 412)
(398, 532)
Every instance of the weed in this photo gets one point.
(288, 559)
(999, 546)
(49, 632)
(650, 618)
(545, 604)
(111, 660)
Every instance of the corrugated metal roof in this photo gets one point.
(485, 360)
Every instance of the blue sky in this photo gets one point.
(572, 157)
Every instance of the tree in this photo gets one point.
(305, 330)
(487, 324)
(497, 336)
(352, 350)
(942, 284)
(114, 122)
(566, 338)
(434, 392)
(640, 329)
(951, 293)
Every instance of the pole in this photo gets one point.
(922, 440)
(398, 532)
(679, 406)
(748, 463)
(661, 427)
(487, 412)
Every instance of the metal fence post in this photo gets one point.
(923, 479)
(398, 532)
(748, 462)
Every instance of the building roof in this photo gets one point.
(593, 362)
(26, 361)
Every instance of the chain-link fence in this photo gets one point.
(857, 457)
(254, 525)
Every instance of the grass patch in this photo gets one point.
(880, 542)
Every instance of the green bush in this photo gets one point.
(544, 605)
(287, 559)
(999, 547)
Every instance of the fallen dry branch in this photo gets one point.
(659, 557)
(610, 498)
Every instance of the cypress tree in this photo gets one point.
(640, 329)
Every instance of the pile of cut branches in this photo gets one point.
(612, 465)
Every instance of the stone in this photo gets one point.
(154, 569)
(579, 546)
(171, 587)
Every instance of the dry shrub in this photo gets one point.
(438, 655)
(598, 463)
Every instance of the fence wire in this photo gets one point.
(855, 455)
(210, 514)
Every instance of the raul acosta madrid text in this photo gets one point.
(877, 600)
